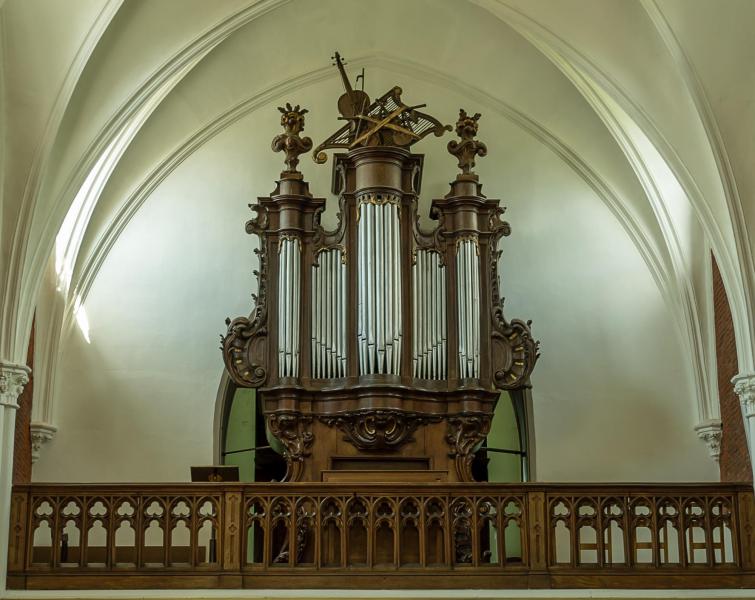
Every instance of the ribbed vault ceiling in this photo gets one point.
(645, 103)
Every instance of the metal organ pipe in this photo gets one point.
(316, 291)
(296, 263)
(417, 311)
(475, 266)
(429, 327)
(443, 324)
(423, 316)
(399, 317)
(387, 276)
(462, 312)
(468, 297)
(281, 307)
(289, 292)
(329, 315)
(361, 290)
(379, 320)
(434, 316)
(380, 287)
(285, 305)
(368, 275)
(426, 320)
(326, 313)
(342, 316)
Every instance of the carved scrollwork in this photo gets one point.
(292, 429)
(429, 240)
(461, 515)
(379, 429)
(514, 351)
(325, 238)
(465, 432)
(244, 345)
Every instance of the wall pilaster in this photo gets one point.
(744, 386)
(13, 378)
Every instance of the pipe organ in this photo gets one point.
(382, 344)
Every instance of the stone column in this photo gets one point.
(744, 386)
(13, 378)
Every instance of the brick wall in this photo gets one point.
(22, 445)
(735, 459)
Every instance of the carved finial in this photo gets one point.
(466, 150)
(292, 120)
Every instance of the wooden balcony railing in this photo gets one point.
(380, 535)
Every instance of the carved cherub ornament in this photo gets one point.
(292, 120)
(468, 148)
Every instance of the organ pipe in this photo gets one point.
(289, 287)
(429, 330)
(379, 305)
(468, 298)
(329, 315)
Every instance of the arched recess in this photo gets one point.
(510, 446)
(241, 437)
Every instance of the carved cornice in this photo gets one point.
(711, 433)
(378, 429)
(41, 433)
(13, 378)
(465, 432)
(293, 431)
(744, 386)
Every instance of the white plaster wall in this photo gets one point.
(611, 398)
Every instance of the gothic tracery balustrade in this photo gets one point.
(578, 535)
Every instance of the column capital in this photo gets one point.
(744, 387)
(13, 378)
(711, 433)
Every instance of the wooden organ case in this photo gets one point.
(378, 349)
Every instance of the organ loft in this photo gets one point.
(378, 349)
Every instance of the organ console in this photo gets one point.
(381, 345)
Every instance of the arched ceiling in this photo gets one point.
(644, 102)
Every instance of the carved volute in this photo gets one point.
(378, 340)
